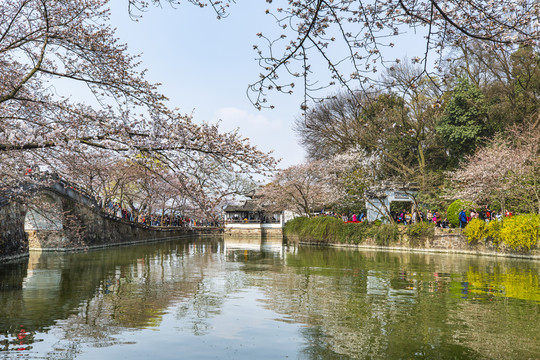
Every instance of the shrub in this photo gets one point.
(453, 210)
(295, 226)
(475, 231)
(353, 233)
(493, 231)
(322, 228)
(520, 232)
(384, 234)
(326, 229)
(421, 229)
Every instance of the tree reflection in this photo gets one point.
(402, 305)
(348, 304)
(98, 294)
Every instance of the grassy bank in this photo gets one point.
(517, 234)
(334, 231)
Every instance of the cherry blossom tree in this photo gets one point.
(330, 183)
(303, 188)
(506, 170)
(49, 48)
(352, 38)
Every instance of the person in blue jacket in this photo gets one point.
(462, 219)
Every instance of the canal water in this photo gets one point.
(243, 299)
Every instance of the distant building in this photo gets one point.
(379, 198)
(250, 211)
(250, 217)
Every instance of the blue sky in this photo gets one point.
(205, 66)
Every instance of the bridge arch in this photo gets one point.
(62, 216)
(54, 216)
(44, 212)
(44, 220)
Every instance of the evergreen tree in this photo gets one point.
(464, 121)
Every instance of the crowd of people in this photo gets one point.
(145, 218)
(410, 217)
(406, 217)
(353, 217)
(484, 214)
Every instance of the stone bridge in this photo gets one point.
(62, 217)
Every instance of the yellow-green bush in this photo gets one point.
(493, 231)
(520, 232)
(475, 231)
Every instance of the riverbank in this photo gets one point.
(422, 237)
(165, 236)
(152, 235)
(530, 256)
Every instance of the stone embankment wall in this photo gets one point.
(254, 232)
(443, 240)
(13, 240)
(87, 227)
(80, 226)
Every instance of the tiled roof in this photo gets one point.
(247, 205)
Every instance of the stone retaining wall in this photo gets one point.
(260, 232)
(82, 227)
(49, 241)
(13, 240)
(88, 227)
(443, 241)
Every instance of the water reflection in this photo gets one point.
(261, 299)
